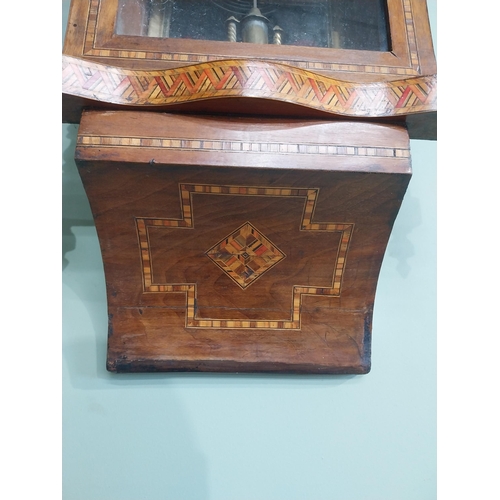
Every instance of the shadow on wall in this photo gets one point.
(401, 248)
(75, 206)
(135, 425)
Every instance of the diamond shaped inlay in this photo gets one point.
(245, 255)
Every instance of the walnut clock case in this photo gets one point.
(245, 162)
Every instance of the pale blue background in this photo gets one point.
(256, 437)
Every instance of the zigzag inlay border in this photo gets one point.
(186, 192)
(251, 79)
(91, 49)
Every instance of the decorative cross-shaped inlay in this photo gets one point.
(245, 255)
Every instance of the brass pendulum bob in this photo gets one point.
(254, 26)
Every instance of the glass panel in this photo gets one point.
(346, 24)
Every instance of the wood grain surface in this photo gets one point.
(248, 79)
(91, 35)
(103, 70)
(230, 244)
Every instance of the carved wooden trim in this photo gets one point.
(249, 79)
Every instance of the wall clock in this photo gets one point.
(245, 162)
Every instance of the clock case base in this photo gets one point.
(233, 244)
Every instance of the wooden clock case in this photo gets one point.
(244, 195)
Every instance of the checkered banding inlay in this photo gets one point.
(92, 48)
(186, 222)
(245, 255)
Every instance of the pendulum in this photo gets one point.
(254, 26)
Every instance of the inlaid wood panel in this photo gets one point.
(103, 70)
(249, 79)
(244, 255)
(240, 261)
(91, 35)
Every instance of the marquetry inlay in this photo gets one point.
(92, 48)
(245, 255)
(250, 79)
(251, 248)
(235, 146)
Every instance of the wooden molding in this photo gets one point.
(249, 79)
(91, 35)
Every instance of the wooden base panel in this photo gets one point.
(236, 245)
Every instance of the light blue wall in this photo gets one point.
(256, 437)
